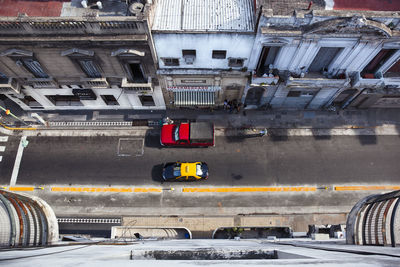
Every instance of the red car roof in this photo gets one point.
(184, 131)
(167, 134)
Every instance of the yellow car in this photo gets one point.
(185, 171)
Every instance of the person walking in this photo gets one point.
(225, 104)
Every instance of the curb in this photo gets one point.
(219, 131)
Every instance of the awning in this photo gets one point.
(194, 98)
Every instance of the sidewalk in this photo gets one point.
(371, 121)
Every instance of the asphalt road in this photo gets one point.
(260, 161)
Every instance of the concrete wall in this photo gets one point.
(170, 45)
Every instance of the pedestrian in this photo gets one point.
(238, 106)
(225, 104)
(230, 104)
(235, 104)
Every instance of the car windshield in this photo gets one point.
(199, 171)
(176, 133)
(177, 171)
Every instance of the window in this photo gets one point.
(189, 56)
(33, 66)
(233, 87)
(147, 100)
(324, 57)
(31, 102)
(3, 78)
(136, 72)
(236, 62)
(267, 59)
(110, 100)
(89, 67)
(294, 94)
(219, 54)
(380, 59)
(169, 61)
(86, 61)
(64, 100)
(189, 53)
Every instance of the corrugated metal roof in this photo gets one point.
(204, 15)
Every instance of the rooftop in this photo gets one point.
(62, 8)
(204, 15)
(286, 7)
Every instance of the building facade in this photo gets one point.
(314, 59)
(203, 48)
(83, 59)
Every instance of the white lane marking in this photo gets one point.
(2, 148)
(3, 138)
(1, 158)
(17, 163)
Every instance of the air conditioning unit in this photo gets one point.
(189, 59)
(10, 86)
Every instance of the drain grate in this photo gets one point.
(90, 123)
(130, 147)
(89, 220)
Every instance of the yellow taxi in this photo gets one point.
(185, 171)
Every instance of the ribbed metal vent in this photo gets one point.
(194, 98)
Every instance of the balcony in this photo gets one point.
(9, 85)
(266, 79)
(42, 83)
(368, 81)
(95, 83)
(317, 80)
(136, 87)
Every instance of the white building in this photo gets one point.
(203, 49)
(311, 59)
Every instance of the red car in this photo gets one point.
(188, 134)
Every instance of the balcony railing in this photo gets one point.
(42, 82)
(358, 82)
(95, 83)
(317, 82)
(135, 87)
(9, 85)
(264, 80)
(392, 81)
(10, 26)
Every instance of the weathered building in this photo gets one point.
(306, 57)
(98, 57)
(203, 48)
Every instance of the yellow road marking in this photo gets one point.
(19, 129)
(21, 188)
(371, 187)
(145, 190)
(249, 189)
(90, 189)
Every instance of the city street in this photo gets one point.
(259, 161)
(234, 162)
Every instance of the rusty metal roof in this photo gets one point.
(204, 15)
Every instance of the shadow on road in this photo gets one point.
(368, 139)
(152, 139)
(236, 176)
(156, 173)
